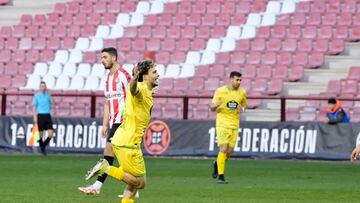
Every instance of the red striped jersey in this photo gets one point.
(115, 94)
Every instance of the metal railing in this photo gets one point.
(283, 100)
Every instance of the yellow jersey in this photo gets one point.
(136, 114)
(228, 115)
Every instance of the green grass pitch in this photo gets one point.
(55, 178)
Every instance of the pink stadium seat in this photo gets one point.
(253, 58)
(195, 19)
(293, 31)
(144, 32)
(60, 8)
(133, 57)
(174, 32)
(131, 32)
(287, 44)
(229, 8)
(292, 114)
(166, 84)
(246, 84)
(264, 71)
(334, 87)
(298, 19)
(165, 20)
(169, 45)
(12, 43)
(88, 30)
(151, 20)
(321, 45)
(90, 57)
(285, 58)
(39, 20)
(243, 45)
(278, 31)
(296, 73)
(108, 19)
(60, 31)
(314, 19)
(283, 19)
(218, 31)
(180, 19)
(5, 81)
(238, 19)
(269, 58)
(217, 71)
(274, 45)
(223, 58)
(46, 55)
(238, 57)
(6, 31)
(80, 19)
(18, 81)
(73, 7)
(2, 43)
(310, 32)
(243, 7)
(303, 7)
(188, 32)
(100, 7)
(275, 87)
(178, 57)
(33, 56)
(354, 73)
(208, 19)
(181, 84)
(170, 8)
(160, 32)
(263, 32)
(46, 31)
(153, 44)
(350, 87)
(336, 46)
(52, 19)
(124, 44)
(68, 43)
(258, 44)
(259, 85)
(162, 57)
(349, 6)
(249, 71)
(87, 7)
(128, 6)
(199, 7)
(197, 84)
(305, 45)
(94, 19)
(316, 59)
(345, 19)
(18, 56)
(333, 6)
(202, 71)
(254, 103)
(280, 72)
(26, 68)
(300, 58)
(26, 20)
(329, 19)
(53, 43)
(325, 32)
(214, 7)
(198, 44)
(318, 6)
(355, 33)
(341, 32)
(19, 31)
(223, 20)
(185, 7)
(5, 55)
(182, 45)
(32, 31)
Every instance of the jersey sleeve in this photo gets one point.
(216, 97)
(34, 101)
(126, 75)
(244, 99)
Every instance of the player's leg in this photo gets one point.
(128, 195)
(227, 149)
(221, 162)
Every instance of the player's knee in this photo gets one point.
(141, 184)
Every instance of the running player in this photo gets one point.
(228, 102)
(127, 139)
(115, 93)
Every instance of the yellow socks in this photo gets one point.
(117, 173)
(221, 162)
(127, 200)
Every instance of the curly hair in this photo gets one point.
(144, 67)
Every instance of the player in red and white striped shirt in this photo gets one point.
(115, 92)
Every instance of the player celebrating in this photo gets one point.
(127, 139)
(228, 102)
(116, 82)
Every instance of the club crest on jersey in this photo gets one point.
(232, 105)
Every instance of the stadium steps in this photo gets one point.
(352, 49)
(10, 15)
(325, 75)
(261, 115)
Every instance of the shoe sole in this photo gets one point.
(222, 182)
(92, 172)
(88, 193)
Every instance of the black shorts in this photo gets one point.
(112, 131)
(44, 122)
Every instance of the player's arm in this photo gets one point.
(134, 90)
(216, 102)
(106, 118)
(34, 103)
(355, 153)
(243, 103)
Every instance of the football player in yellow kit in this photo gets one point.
(128, 137)
(228, 102)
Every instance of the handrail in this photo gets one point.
(185, 98)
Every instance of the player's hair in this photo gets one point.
(235, 74)
(111, 50)
(144, 67)
(42, 82)
(332, 100)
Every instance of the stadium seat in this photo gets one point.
(77, 83)
(25, 43)
(334, 86)
(50, 81)
(83, 70)
(62, 82)
(92, 83)
(69, 69)
(55, 69)
(172, 70)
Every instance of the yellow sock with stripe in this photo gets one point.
(127, 200)
(221, 163)
(117, 173)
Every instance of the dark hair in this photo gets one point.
(144, 67)
(332, 100)
(111, 50)
(235, 74)
(42, 82)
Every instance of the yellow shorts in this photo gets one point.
(226, 136)
(131, 160)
